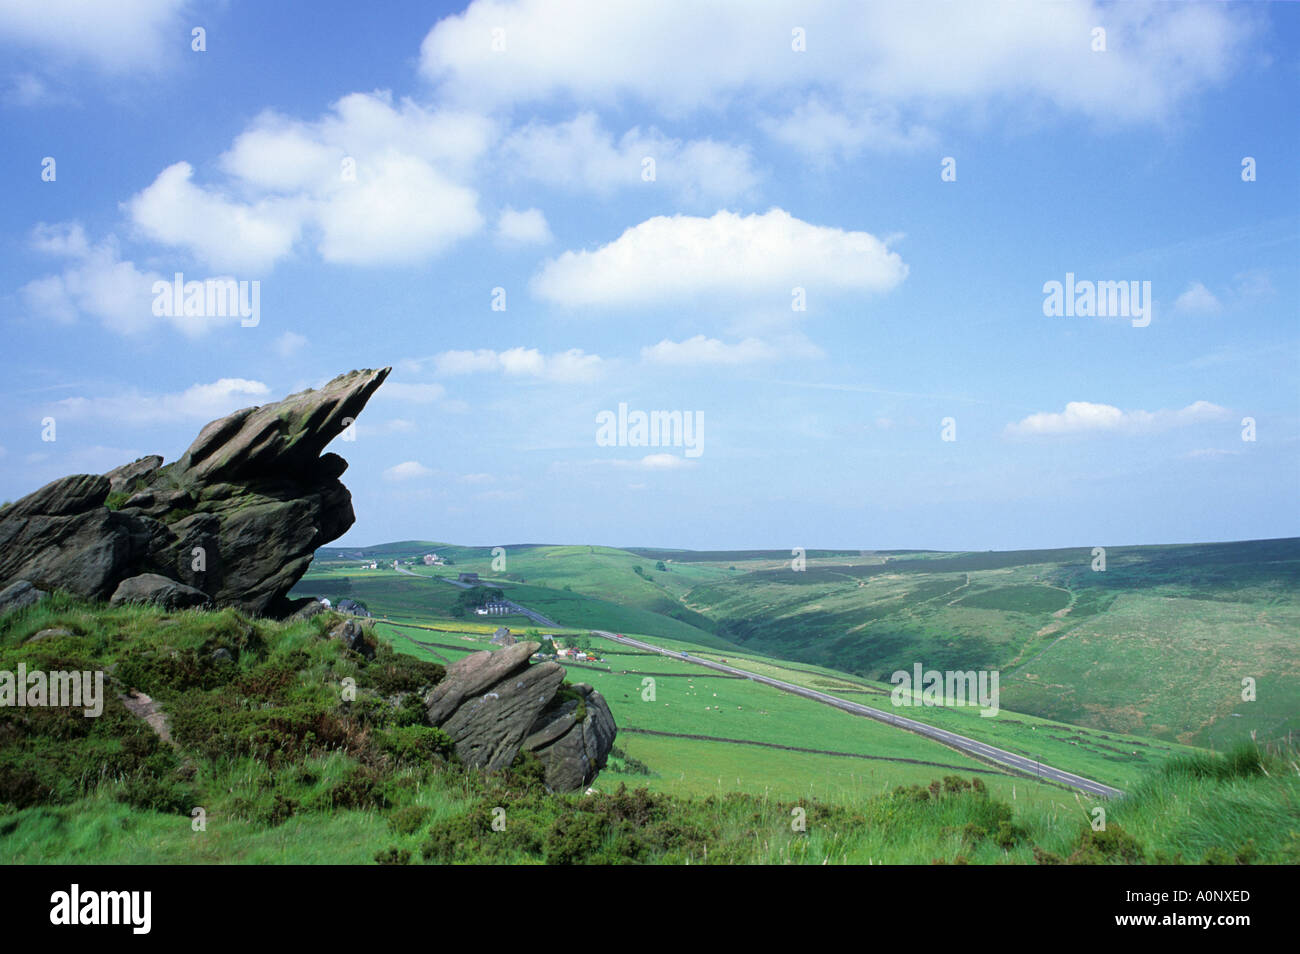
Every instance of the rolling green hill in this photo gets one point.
(287, 769)
(1156, 645)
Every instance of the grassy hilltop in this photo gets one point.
(287, 769)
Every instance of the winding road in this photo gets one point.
(972, 747)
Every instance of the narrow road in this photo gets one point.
(989, 753)
(971, 746)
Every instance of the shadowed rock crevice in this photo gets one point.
(237, 518)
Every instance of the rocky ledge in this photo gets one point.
(234, 522)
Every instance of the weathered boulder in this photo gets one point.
(62, 537)
(153, 588)
(495, 704)
(472, 675)
(285, 438)
(488, 729)
(309, 609)
(54, 632)
(18, 595)
(572, 757)
(238, 516)
(353, 637)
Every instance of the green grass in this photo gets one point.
(286, 770)
(1102, 673)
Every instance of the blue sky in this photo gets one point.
(524, 168)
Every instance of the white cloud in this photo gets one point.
(368, 183)
(701, 351)
(277, 152)
(581, 155)
(219, 230)
(405, 211)
(564, 367)
(407, 470)
(524, 228)
(823, 133)
(681, 56)
(200, 402)
(666, 258)
(1083, 417)
(1197, 300)
(114, 37)
(96, 282)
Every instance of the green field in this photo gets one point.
(711, 769)
(1154, 648)
(756, 729)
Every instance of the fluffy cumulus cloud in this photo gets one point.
(1084, 417)
(405, 211)
(671, 257)
(125, 35)
(579, 154)
(220, 231)
(96, 282)
(369, 183)
(200, 402)
(678, 56)
(566, 366)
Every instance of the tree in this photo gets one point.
(477, 596)
(660, 567)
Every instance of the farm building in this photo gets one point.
(352, 607)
